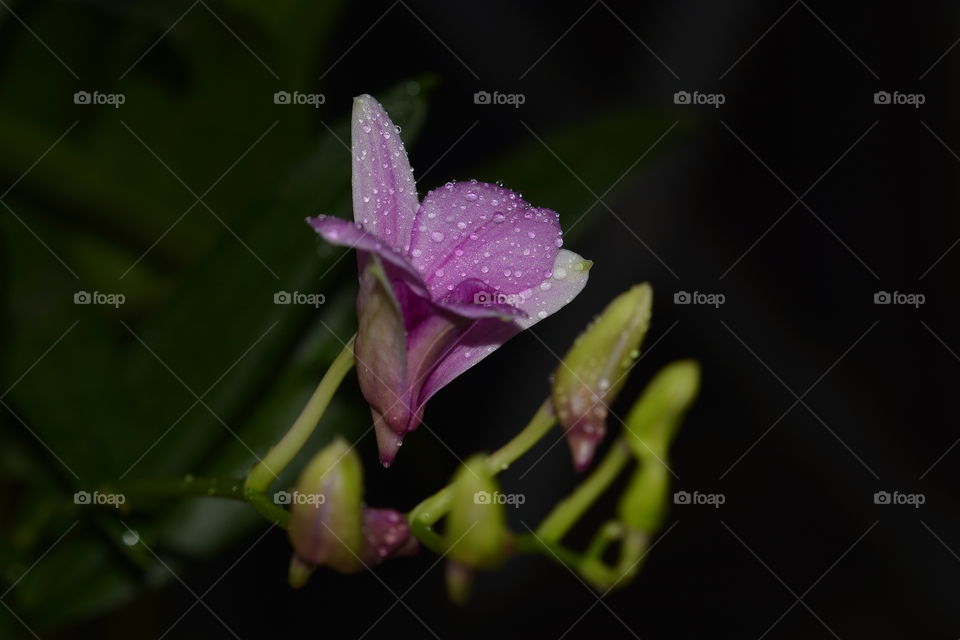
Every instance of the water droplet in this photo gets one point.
(541, 314)
(484, 269)
(560, 274)
(366, 128)
(416, 253)
(498, 218)
(470, 196)
(366, 199)
(130, 537)
(545, 286)
(436, 236)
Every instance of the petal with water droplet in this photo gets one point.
(459, 230)
(485, 336)
(384, 193)
(347, 234)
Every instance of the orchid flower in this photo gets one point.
(443, 282)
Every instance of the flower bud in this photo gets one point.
(476, 528)
(644, 503)
(653, 420)
(386, 535)
(595, 368)
(326, 513)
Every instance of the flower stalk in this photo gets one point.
(263, 474)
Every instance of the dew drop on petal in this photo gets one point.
(437, 236)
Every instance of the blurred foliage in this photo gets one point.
(199, 368)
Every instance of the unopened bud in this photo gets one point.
(476, 528)
(327, 530)
(595, 368)
(654, 418)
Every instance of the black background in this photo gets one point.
(813, 398)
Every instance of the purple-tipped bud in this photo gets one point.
(595, 368)
(326, 513)
(329, 526)
(387, 535)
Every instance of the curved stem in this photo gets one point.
(541, 423)
(426, 514)
(559, 521)
(531, 543)
(280, 455)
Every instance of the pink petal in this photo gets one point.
(473, 299)
(483, 231)
(384, 194)
(569, 277)
(347, 234)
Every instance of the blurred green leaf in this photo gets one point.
(119, 399)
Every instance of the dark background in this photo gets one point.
(813, 399)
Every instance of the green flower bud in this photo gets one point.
(654, 418)
(476, 528)
(326, 513)
(595, 368)
(644, 503)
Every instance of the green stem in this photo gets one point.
(531, 543)
(266, 471)
(139, 492)
(541, 423)
(567, 512)
(426, 514)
